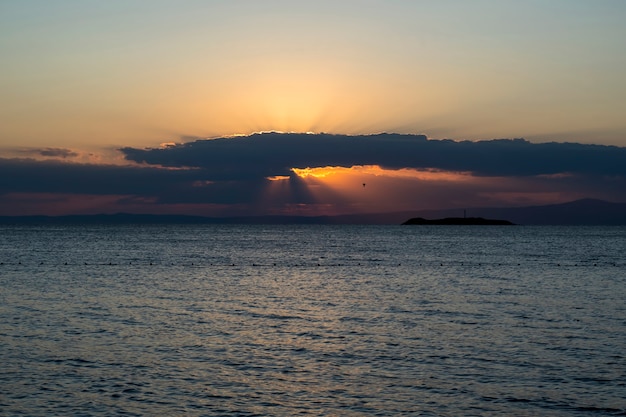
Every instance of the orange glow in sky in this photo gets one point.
(472, 71)
(363, 189)
(82, 81)
(334, 190)
(376, 171)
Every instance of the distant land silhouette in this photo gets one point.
(458, 221)
(579, 212)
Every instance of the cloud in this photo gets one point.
(254, 175)
(163, 185)
(28, 175)
(57, 152)
(60, 153)
(274, 154)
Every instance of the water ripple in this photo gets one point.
(311, 321)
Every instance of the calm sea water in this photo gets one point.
(312, 320)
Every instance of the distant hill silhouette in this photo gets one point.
(458, 221)
(580, 212)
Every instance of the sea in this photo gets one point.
(312, 320)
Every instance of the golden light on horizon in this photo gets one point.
(376, 170)
(318, 172)
(333, 190)
(278, 178)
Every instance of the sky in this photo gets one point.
(159, 106)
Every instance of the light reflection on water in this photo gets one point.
(245, 320)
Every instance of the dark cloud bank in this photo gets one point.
(234, 170)
(269, 154)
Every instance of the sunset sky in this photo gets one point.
(156, 106)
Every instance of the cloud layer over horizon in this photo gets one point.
(230, 175)
(270, 154)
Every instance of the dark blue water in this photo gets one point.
(312, 320)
